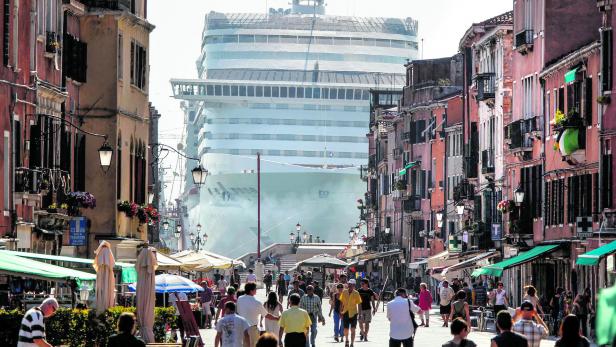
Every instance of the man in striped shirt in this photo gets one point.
(32, 332)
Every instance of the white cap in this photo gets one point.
(352, 281)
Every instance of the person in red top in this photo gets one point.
(425, 303)
(227, 298)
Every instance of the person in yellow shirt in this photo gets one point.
(350, 301)
(294, 323)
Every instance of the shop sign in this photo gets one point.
(78, 232)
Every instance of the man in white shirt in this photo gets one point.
(250, 308)
(232, 330)
(401, 327)
(173, 299)
(251, 277)
(222, 285)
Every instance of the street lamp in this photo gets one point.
(191, 236)
(199, 174)
(460, 209)
(298, 227)
(178, 231)
(351, 233)
(205, 237)
(198, 228)
(356, 230)
(150, 197)
(292, 237)
(387, 230)
(518, 196)
(105, 153)
(305, 237)
(165, 226)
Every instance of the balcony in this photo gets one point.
(524, 41)
(604, 5)
(114, 5)
(398, 152)
(518, 135)
(412, 204)
(485, 86)
(487, 161)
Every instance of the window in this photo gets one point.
(349, 94)
(316, 93)
(291, 92)
(234, 90)
(260, 38)
(51, 15)
(138, 68)
(527, 92)
(275, 92)
(119, 168)
(283, 92)
(6, 34)
(259, 91)
(606, 59)
(300, 92)
(340, 94)
(332, 93)
(251, 91)
(247, 39)
(579, 197)
(308, 93)
(606, 186)
(588, 100)
(242, 90)
(528, 14)
(325, 94)
(120, 56)
(217, 90)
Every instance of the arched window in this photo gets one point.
(119, 168)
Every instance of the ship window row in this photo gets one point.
(288, 153)
(273, 92)
(277, 121)
(344, 57)
(314, 40)
(285, 137)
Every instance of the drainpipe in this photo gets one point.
(543, 137)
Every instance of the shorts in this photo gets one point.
(206, 308)
(349, 321)
(445, 309)
(365, 316)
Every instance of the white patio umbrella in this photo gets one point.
(146, 299)
(105, 281)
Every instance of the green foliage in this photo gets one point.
(10, 321)
(81, 328)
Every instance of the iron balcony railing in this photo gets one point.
(524, 41)
(485, 86)
(114, 5)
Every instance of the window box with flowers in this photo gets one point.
(78, 200)
(505, 206)
(145, 214)
(569, 129)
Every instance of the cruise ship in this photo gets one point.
(293, 85)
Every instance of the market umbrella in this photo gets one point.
(146, 299)
(324, 261)
(167, 283)
(105, 282)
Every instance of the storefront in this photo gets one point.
(597, 266)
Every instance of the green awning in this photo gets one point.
(593, 257)
(128, 270)
(19, 266)
(408, 166)
(498, 268)
(570, 75)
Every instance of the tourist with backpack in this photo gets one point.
(460, 309)
(401, 315)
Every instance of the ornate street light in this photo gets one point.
(178, 231)
(105, 153)
(191, 236)
(356, 230)
(165, 225)
(205, 237)
(460, 209)
(198, 228)
(292, 237)
(518, 196)
(199, 174)
(387, 230)
(351, 233)
(298, 227)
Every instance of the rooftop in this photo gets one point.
(217, 20)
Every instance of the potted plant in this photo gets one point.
(505, 206)
(53, 208)
(400, 185)
(604, 99)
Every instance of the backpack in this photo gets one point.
(456, 312)
(415, 325)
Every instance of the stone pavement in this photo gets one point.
(378, 336)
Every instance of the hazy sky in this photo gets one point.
(176, 41)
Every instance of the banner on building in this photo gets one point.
(497, 232)
(78, 232)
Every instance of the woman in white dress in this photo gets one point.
(273, 307)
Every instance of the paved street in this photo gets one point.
(435, 335)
